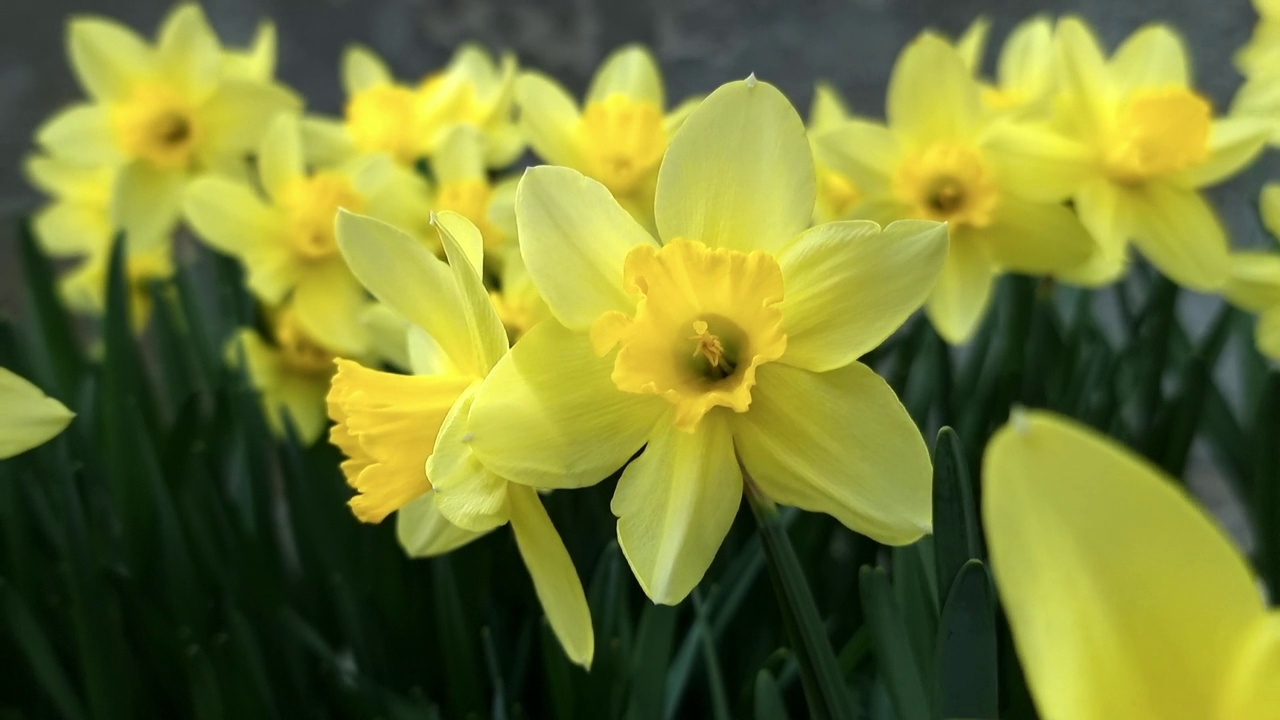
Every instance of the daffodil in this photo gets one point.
(291, 373)
(286, 239)
(383, 115)
(28, 417)
(1126, 600)
(837, 193)
(941, 158)
(1151, 142)
(727, 348)
(1025, 80)
(1261, 55)
(617, 136)
(391, 427)
(163, 113)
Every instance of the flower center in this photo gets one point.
(705, 320)
(948, 183)
(298, 350)
(624, 140)
(157, 125)
(1159, 132)
(383, 118)
(312, 202)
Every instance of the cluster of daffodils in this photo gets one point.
(679, 298)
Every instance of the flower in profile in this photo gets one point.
(619, 133)
(1125, 599)
(941, 158)
(290, 371)
(837, 193)
(28, 417)
(391, 426)
(727, 349)
(1151, 142)
(162, 113)
(286, 239)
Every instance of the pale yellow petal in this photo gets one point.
(188, 53)
(851, 285)
(67, 229)
(1084, 77)
(1266, 335)
(467, 493)
(574, 237)
(550, 119)
(1254, 282)
(107, 57)
(460, 157)
(1234, 142)
(1259, 97)
(424, 532)
(329, 303)
(932, 97)
(549, 415)
(1269, 208)
(1253, 690)
(554, 578)
(81, 132)
(230, 217)
(362, 69)
(147, 203)
(1108, 221)
(739, 173)
(1026, 60)
(972, 44)
(1152, 57)
(1124, 597)
(325, 141)
(237, 117)
(828, 108)
(464, 249)
(675, 504)
(1180, 234)
(301, 397)
(280, 158)
(838, 443)
(963, 291)
(868, 153)
(1036, 163)
(28, 417)
(631, 70)
(1035, 238)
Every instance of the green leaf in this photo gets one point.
(39, 653)
(898, 666)
(967, 668)
(957, 536)
(768, 698)
(457, 640)
(651, 654)
(59, 353)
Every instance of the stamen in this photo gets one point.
(709, 347)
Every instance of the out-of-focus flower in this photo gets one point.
(392, 426)
(1025, 81)
(462, 185)
(1125, 599)
(163, 113)
(837, 193)
(1261, 55)
(940, 159)
(291, 373)
(28, 417)
(1150, 143)
(617, 136)
(286, 239)
(729, 348)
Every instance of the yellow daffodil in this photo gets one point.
(941, 158)
(1150, 143)
(1025, 80)
(286, 239)
(1261, 55)
(617, 136)
(291, 373)
(163, 113)
(392, 426)
(383, 115)
(837, 193)
(28, 417)
(1126, 600)
(727, 349)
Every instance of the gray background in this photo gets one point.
(700, 44)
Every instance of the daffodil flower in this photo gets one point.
(1126, 600)
(837, 193)
(28, 417)
(1025, 80)
(286, 240)
(940, 158)
(163, 113)
(392, 426)
(619, 134)
(1151, 142)
(727, 349)
(1261, 55)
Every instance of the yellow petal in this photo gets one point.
(554, 578)
(148, 203)
(1259, 97)
(1253, 692)
(1108, 221)
(1254, 283)
(851, 285)
(362, 69)
(29, 417)
(463, 247)
(230, 217)
(1036, 163)
(237, 117)
(960, 297)
(972, 44)
(329, 302)
(932, 97)
(460, 156)
(259, 61)
(1084, 77)
(467, 493)
(1233, 144)
(302, 398)
(632, 71)
(828, 108)
(325, 141)
(1179, 233)
(739, 173)
(675, 504)
(1037, 238)
(107, 57)
(82, 132)
(550, 118)
(67, 228)
(424, 532)
(1267, 334)
(188, 53)
(280, 158)
(1152, 57)
(1124, 598)
(868, 153)
(574, 237)
(549, 415)
(839, 443)
(1026, 60)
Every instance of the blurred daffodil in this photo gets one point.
(1025, 81)
(941, 158)
(28, 417)
(837, 193)
(726, 350)
(1261, 55)
(286, 239)
(619, 133)
(391, 427)
(163, 113)
(1125, 599)
(1151, 142)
